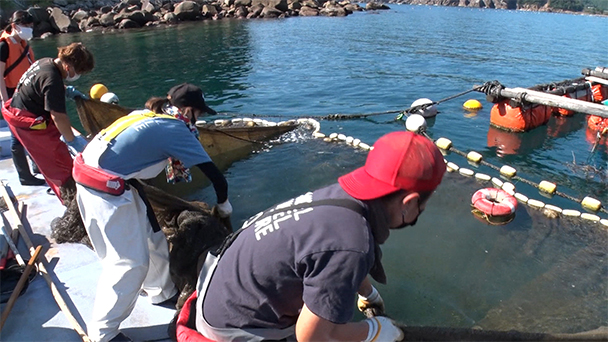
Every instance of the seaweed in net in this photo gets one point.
(191, 229)
(69, 227)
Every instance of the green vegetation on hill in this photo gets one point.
(592, 6)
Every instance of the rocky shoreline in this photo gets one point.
(66, 16)
(493, 4)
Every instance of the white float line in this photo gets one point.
(342, 138)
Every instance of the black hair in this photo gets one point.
(19, 18)
(156, 104)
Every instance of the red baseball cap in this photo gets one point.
(399, 160)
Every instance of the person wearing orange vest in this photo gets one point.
(16, 56)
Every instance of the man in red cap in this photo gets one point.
(294, 269)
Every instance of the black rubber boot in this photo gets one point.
(22, 166)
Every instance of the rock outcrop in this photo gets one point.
(66, 16)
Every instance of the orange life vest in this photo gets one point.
(14, 51)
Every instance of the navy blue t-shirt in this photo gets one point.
(316, 255)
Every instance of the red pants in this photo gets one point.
(43, 145)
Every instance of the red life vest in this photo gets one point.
(14, 51)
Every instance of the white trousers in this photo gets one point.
(133, 257)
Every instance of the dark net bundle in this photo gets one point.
(69, 227)
(191, 229)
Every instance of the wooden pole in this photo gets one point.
(24, 277)
(43, 268)
(10, 242)
(539, 97)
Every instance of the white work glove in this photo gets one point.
(372, 301)
(224, 209)
(76, 145)
(382, 329)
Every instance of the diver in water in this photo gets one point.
(294, 270)
(118, 218)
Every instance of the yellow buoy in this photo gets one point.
(97, 91)
(443, 143)
(472, 105)
(475, 157)
(507, 171)
(591, 203)
(547, 187)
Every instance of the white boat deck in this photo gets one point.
(75, 268)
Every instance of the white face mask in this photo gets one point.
(25, 33)
(72, 78)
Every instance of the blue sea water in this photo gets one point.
(533, 274)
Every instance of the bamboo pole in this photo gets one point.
(538, 97)
(57, 295)
(10, 242)
(24, 277)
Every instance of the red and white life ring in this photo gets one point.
(494, 202)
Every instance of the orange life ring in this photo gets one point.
(494, 203)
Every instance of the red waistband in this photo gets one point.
(96, 178)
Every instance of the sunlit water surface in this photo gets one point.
(451, 269)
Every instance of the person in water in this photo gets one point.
(16, 57)
(294, 270)
(36, 114)
(118, 218)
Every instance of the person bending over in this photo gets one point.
(118, 218)
(294, 270)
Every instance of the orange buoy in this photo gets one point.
(518, 119)
(494, 205)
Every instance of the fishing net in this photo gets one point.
(96, 115)
(191, 228)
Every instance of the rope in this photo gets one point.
(422, 107)
(493, 87)
(329, 117)
(239, 138)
